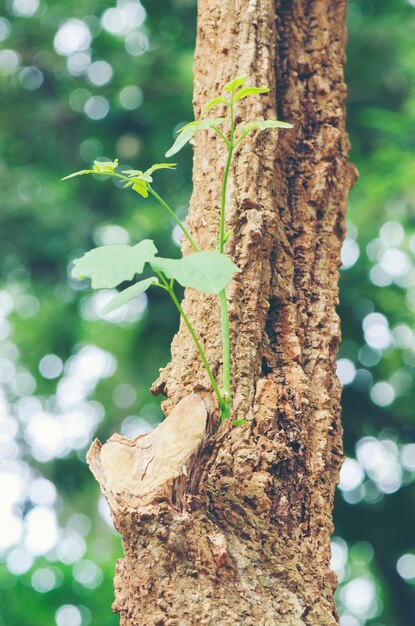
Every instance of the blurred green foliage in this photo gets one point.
(68, 376)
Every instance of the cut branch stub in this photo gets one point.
(138, 472)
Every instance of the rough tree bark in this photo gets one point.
(232, 526)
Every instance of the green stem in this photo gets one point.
(163, 204)
(198, 346)
(174, 216)
(221, 135)
(226, 348)
(222, 295)
(223, 199)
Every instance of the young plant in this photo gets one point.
(207, 271)
(232, 93)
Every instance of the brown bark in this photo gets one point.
(237, 530)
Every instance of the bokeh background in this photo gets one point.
(87, 79)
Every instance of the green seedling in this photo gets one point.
(207, 271)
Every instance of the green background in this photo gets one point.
(67, 375)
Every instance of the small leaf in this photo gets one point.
(81, 173)
(185, 136)
(138, 174)
(188, 131)
(235, 83)
(129, 294)
(214, 102)
(228, 235)
(249, 91)
(264, 125)
(209, 272)
(110, 265)
(160, 166)
(140, 187)
(99, 167)
(105, 167)
(260, 125)
(239, 422)
(209, 122)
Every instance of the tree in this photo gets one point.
(232, 525)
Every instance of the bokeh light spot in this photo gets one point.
(351, 475)
(68, 615)
(87, 573)
(124, 395)
(78, 63)
(45, 579)
(5, 28)
(96, 107)
(99, 73)
(111, 233)
(131, 97)
(41, 530)
(406, 567)
(51, 366)
(350, 253)
(9, 62)
(72, 36)
(24, 8)
(382, 393)
(346, 371)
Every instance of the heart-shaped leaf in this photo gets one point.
(129, 294)
(108, 266)
(209, 272)
(188, 131)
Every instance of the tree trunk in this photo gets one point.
(232, 525)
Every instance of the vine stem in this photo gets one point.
(222, 295)
(224, 399)
(175, 218)
(163, 203)
(169, 288)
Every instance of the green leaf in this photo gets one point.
(264, 125)
(228, 235)
(110, 265)
(188, 131)
(239, 422)
(80, 173)
(235, 83)
(160, 166)
(185, 136)
(214, 102)
(249, 91)
(140, 187)
(129, 294)
(209, 272)
(99, 167)
(138, 174)
(209, 122)
(105, 167)
(260, 125)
